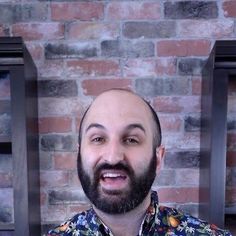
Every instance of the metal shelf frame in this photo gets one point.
(15, 58)
(220, 67)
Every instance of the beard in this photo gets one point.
(117, 201)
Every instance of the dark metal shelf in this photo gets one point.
(218, 70)
(16, 61)
(7, 227)
(5, 139)
(230, 210)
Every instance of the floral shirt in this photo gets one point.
(159, 221)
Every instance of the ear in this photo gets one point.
(160, 153)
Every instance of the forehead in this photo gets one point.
(118, 106)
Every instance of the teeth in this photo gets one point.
(111, 175)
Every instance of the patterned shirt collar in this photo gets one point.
(148, 219)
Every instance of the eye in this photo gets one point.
(131, 141)
(98, 140)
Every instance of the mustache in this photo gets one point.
(118, 166)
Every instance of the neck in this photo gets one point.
(118, 223)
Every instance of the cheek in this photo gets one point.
(140, 159)
(88, 159)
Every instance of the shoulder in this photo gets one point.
(184, 224)
(80, 223)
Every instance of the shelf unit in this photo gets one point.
(219, 69)
(23, 141)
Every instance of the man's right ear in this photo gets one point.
(160, 153)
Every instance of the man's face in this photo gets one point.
(117, 161)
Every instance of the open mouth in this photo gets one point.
(113, 179)
(112, 176)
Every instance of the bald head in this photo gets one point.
(121, 106)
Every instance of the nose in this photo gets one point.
(114, 152)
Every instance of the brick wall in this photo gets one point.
(155, 48)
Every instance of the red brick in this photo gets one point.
(92, 30)
(94, 67)
(140, 68)
(231, 158)
(65, 161)
(133, 10)
(43, 198)
(166, 66)
(54, 179)
(77, 10)
(39, 31)
(231, 195)
(167, 104)
(196, 85)
(178, 195)
(55, 124)
(229, 8)
(170, 123)
(183, 48)
(36, 51)
(231, 141)
(95, 87)
(206, 28)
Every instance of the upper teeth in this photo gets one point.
(111, 175)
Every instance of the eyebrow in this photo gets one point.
(134, 126)
(128, 127)
(94, 125)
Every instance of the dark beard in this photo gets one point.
(118, 201)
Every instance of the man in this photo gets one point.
(120, 154)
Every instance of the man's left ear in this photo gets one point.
(160, 153)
